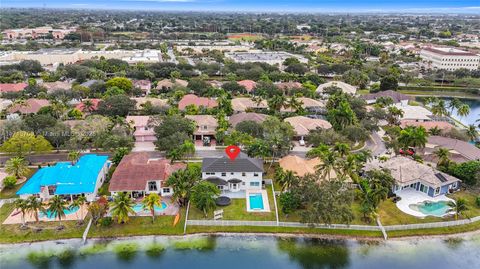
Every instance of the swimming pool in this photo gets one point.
(52, 215)
(256, 201)
(138, 208)
(437, 209)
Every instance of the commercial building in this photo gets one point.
(449, 58)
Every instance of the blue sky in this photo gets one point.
(442, 6)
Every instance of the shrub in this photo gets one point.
(477, 201)
(9, 182)
(105, 222)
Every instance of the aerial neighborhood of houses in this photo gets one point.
(104, 133)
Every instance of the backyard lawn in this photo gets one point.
(469, 196)
(163, 225)
(12, 233)
(10, 193)
(237, 210)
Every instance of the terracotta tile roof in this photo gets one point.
(168, 83)
(464, 149)
(237, 118)
(442, 125)
(80, 106)
(303, 125)
(155, 101)
(243, 103)
(12, 87)
(396, 96)
(136, 169)
(407, 171)
(346, 88)
(138, 121)
(289, 85)
(248, 84)
(192, 99)
(57, 85)
(31, 106)
(206, 124)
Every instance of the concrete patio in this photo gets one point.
(410, 196)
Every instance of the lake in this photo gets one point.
(246, 252)
(474, 109)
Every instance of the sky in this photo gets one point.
(349, 6)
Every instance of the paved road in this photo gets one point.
(376, 145)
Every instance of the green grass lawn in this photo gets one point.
(237, 210)
(11, 193)
(12, 233)
(163, 225)
(390, 215)
(469, 196)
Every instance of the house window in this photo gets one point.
(205, 127)
(437, 191)
(166, 190)
(209, 173)
(220, 187)
(255, 174)
(254, 184)
(244, 174)
(152, 186)
(454, 185)
(224, 174)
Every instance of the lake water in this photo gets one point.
(248, 252)
(474, 110)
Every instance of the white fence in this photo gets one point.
(332, 226)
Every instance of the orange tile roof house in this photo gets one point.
(303, 125)
(144, 130)
(289, 85)
(57, 85)
(240, 117)
(242, 104)
(142, 174)
(248, 84)
(168, 84)
(12, 87)
(442, 125)
(30, 106)
(144, 85)
(81, 106)
(192, 99)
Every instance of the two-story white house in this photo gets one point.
(243, 173)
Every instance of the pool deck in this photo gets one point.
(410, 196)
(16, 217)
(171, 210)
(266, 205)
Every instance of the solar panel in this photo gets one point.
(441, 177)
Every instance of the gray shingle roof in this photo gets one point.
(242, 163)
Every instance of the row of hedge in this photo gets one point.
(440, 89)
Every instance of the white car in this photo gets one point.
(302, 142)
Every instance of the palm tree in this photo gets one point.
(435, 131)
(150, 202)
(472, 132)
(78, 203)
(342, 148)
(22, 205)
(413, 137)
(57, 207)
(174, 155)
(34, 206)
(203, 196)
(277, 102)
(121, 207)
(455, 104)
(458, 207)
(187, 148)
(439, 108)
(73, 156)
(329, 164)
(295, 104)
(88, 105)
(443, 156)
(394, 113)
(182, 182)
(285, 179)
(463, 110)
(17, 166)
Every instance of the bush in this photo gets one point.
(477, 201)
(9, 182)
(105, 222)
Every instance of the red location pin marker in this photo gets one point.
(232, 151)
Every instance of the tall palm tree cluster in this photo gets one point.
(55, 207)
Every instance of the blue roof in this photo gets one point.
(77, 179)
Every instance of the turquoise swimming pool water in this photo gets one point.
(256, 201)
(139, 208)
(51, 215)
(437, 209)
